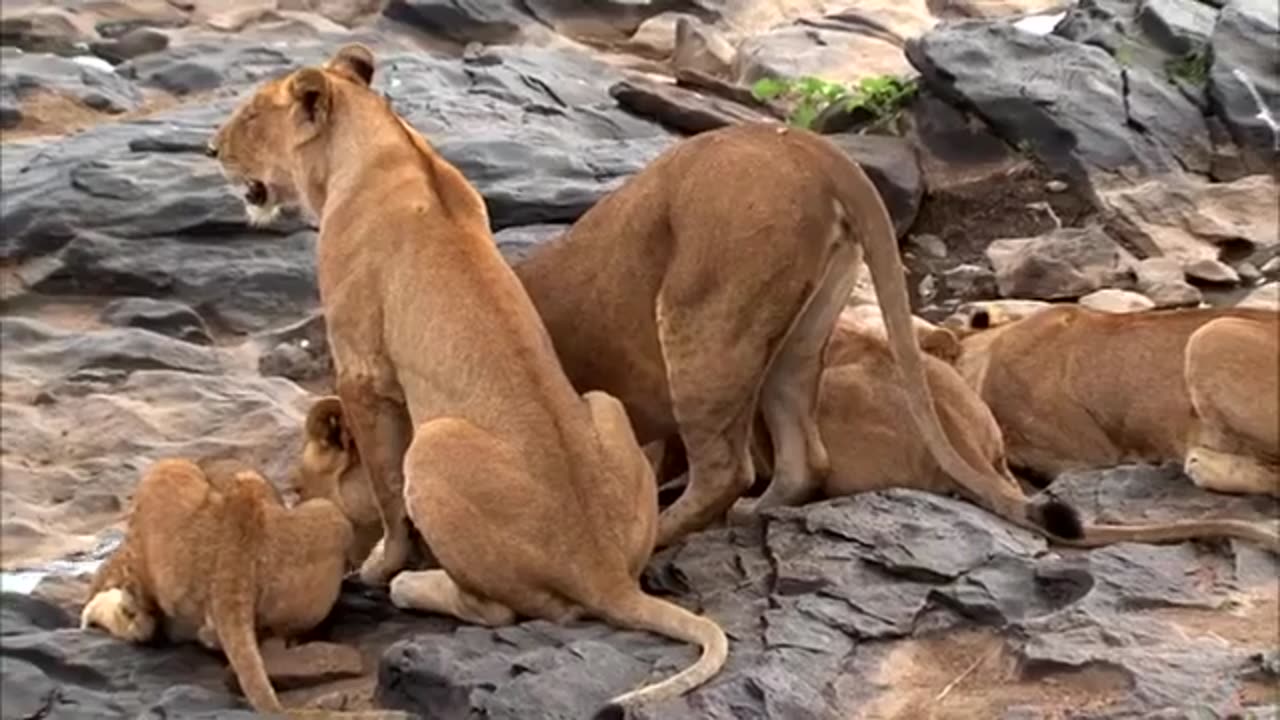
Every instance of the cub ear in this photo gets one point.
(353, 61)
(326, 424)
(310, 89)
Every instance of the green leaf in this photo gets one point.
(769, 88)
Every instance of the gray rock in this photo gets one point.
(1064, 264)
(163, 316)
(132, 44)
(1164, 282)
(891, 164)
(701, 48)
(1244, 79)
(203, 66)
(1069, 103)
(52, 30)
(1177, 26)
(516, 243)
(486, 21)
(680, 109)
(25, 74)
(504, 21)
(1116, 301)
(969, 281)
(1209, 270)
(131, 208)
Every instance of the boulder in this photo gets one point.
(24, 75)
(163, 316)
(51, 30)
(886, 587)
(1264, 297)
(891, 164)
(1064, 264)
(1244, 81)
(1112, 300)
(835, 49)
(1163, 280)
(1070, 104)
(84, 413)
(130, 209)
(701, 48)
(681, 110)
(132, 44)
(1190, 220)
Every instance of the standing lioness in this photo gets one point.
(535, 501)
(701, 293)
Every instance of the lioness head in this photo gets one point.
(975, 317)
(269, 142)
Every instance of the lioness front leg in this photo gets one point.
(381, 429)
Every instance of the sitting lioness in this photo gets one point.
(860, 411)
(219, 564)
(1074, 388)
(701, 292)
(535, 500)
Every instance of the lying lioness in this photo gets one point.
(701, 293)
(535, 501)
(220, 564)
(860, 411)
(1074, 388)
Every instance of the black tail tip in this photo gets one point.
(611, 711)
(1058, 518)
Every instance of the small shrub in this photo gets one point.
(1192, 67)
(882, 96)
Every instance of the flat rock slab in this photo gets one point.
(872, 604)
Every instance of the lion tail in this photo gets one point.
(1178, 530)
(235, 587)
(870, 224)
(640, 611)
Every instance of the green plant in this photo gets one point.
(881, 96)
(1192, 67)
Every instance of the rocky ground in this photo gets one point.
(1113, 153)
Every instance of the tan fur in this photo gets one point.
(860, 411)
(220, 562)
(535, 500)
(1074, 389)
(701, 294)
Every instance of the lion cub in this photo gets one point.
(218, 561)
(535, 500)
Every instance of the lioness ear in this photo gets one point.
(353, 61)
(310, 89)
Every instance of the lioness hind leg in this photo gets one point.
(632, 476)
(789, 398)
(434, 591)
(381, 430)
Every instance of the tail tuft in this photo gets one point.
(1058, 518)
(611, 711)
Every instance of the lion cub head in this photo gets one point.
(118, 611)
(330, 468)
(268, 144)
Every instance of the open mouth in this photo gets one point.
(255, 193)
